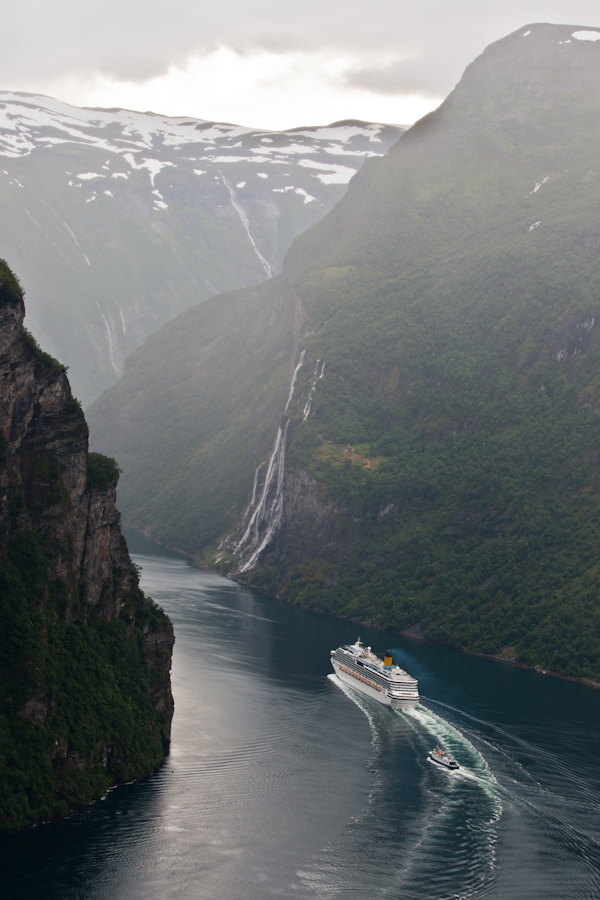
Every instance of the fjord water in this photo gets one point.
(281, 782)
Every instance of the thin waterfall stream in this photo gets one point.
(264, 513)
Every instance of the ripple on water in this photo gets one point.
(446, 847)
(280, 783)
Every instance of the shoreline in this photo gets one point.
(502, 659)
(512, 662)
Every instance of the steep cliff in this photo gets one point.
(85, 696)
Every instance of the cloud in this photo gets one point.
(135, 40)
(404, 77)
(390, 48)
(263, 90)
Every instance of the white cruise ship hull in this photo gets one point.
(371, 691)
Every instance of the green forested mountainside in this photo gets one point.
(85, 697)
(76, 707)
(117, 221)
(187, 471)
(446, 476)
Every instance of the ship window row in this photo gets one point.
(381, 679)
(399, 695)
(362, 678)
(362, 670)
(350, 660)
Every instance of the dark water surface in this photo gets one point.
(281, 783)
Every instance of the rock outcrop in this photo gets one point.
(85, 695)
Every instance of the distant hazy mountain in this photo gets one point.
(410, 412)
(116, 221)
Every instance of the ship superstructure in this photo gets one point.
(360, 668)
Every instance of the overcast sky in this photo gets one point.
(266, 63)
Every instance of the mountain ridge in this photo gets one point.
(425, 366)
(119, 220)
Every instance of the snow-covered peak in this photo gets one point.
(30, 122)
(342, 132)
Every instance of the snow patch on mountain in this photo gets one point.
(234, 159)
(343, 132)
(586, 35)
(289, 148)
(33, 121)
(25, 117)
(334, 174)
(337, 150)
(153, 165)
(308, 198)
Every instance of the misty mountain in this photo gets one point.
(117, 221)
(403, 427)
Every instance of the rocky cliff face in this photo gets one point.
(312, 524)
(85, 699)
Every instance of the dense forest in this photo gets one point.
(76, 709)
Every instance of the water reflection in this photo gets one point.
(280, 782)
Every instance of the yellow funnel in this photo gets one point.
(387, 660)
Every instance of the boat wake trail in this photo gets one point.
(461, 823)
(472, 764)
(445, 847)
(363, 703)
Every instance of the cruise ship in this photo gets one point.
(358, 667)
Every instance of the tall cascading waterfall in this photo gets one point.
(317, 376)
(293, 381)
(263, 516)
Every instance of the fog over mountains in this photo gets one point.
(116, 221)
(403, 426)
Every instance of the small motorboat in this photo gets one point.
(442, 758)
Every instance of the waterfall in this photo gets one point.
(264, 520)
(263, 516)
(112, 347)
(244, 220)
(294, 376)
(247, 515)
(306, 409)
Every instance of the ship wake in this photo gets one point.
(449, 847)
